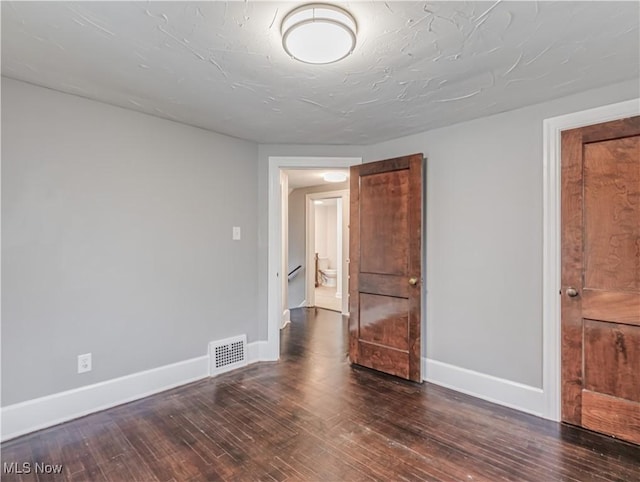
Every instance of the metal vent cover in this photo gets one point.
(227, 354)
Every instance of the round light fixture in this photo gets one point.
(318, 33)
(335, 177)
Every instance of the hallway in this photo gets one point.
(313, 417)
(326, 298)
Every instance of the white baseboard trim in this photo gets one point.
(31, 415)
(269, 351)
(257, 351)
(25, 417)
(493, 389)
(286, 318)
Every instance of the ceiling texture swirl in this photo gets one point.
(416, 65)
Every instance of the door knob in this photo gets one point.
(413, 281)
(572, 292)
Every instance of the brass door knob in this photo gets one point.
(413, 281)
(572, 292)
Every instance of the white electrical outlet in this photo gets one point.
(84, 363)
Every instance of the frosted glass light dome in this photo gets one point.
(335, 177)
(318, 33)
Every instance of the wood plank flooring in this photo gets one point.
(313, 417)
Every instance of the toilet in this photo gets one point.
(329, 276)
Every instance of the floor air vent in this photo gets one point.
(225, 355)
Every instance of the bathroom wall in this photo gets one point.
(297, 237)
(326, 232)
(320, 231)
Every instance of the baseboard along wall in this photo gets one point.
(26, 417)
(487, 387)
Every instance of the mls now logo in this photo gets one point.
(28, 468)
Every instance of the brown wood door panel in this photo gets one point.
(612, 415)
(384, 285)
(601, 262)
(384, 320)
(384, 359)
(612, 215)
(385, 245)
(384, 209)
(614, 306)
(612, 359)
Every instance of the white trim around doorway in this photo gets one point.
(274, 289)
(551, 322)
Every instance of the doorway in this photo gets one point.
(327, 250)
(552, 342)
(316, 240)
(278, 262)
(391, 196)
(385, 289)
(600, 284)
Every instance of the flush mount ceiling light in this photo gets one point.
(335, 177)
(318, 33)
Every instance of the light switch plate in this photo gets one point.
(236, 233)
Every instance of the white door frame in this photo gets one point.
(284, 253)
(274, 285)
(310, 242)
(551, 303)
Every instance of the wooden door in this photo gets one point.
(384, 272)
(601, 278)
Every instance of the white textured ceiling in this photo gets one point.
(298, 178)
(417, 65)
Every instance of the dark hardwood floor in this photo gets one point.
(313, 417)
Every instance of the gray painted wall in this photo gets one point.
(484, 235)
(116, 240)
(484, 232)
(297, 237)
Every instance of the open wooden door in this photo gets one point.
(601, 278)
(385, 275)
